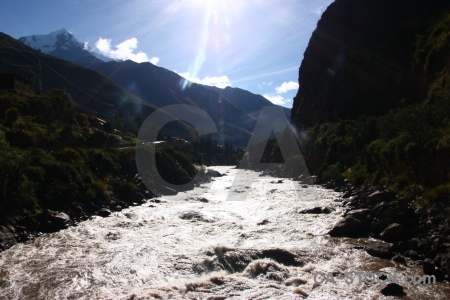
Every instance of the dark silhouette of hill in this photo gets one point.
(90, 90)
(359, 59)
(235, 114)
(233, 110)
(374, 97)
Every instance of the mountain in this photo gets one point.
(63, 44)
(248, 101)
(91, 91)
(359, 59)
(233, 110)
(374, 96)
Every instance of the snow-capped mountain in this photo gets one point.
(63, 44)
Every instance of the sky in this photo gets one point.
(256, 45)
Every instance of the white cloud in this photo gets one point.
(265, 84)
(278, 100)
(124, 51)
(218, 81)
(287, 86)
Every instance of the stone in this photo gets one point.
(379, 226)
(399, 259)
(393, 233)
(104, 212)
(281, 256)
(350, 227)
(380, 196)
(363, 214)
(317, 210)
(393, 289)
(7, 239)
(379, 249)
(213, 173)
(61, 219)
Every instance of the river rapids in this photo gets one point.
(199, 245)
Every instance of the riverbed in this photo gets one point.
(200, 245)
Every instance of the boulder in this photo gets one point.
(393, 289)
(61, 219)
(393, 233)
(363, 214)
(380, 196)
(399, 259)
(317, 210)
(379, 249)
(104, 212)
(379, 226)
(213, 173)
(281, 256)
(350, 227)
(7, 239)
(52, 222)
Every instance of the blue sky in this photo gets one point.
(255, 45)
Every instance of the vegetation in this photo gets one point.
(53, 156)
(408, 148)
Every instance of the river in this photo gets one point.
(198, 245)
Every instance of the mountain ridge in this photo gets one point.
(63, 44)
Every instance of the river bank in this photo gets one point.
(196, 244)
(401, 230)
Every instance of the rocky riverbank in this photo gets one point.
(400, 230)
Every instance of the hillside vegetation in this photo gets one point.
(56, 157)
(404, 142)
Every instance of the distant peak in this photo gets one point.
(60, 31)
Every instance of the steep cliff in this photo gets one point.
(359, 60)
(375, 94)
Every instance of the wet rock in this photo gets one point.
(295, 281)
(281, 256)
(379, 226)
(380, 208)
(234, 260)
(363, 214)
(52, 222)
(7, 239)
(399, 259)
(263, 222)
(431, 267)
(393, 233)
(393, 289)
(379, 249)
(61, 219)
(317, 210)
(300, 292)
(267, 267)
(195, 216)
(380, 196)
(350, 227)
(104, 212)
(213, 173)
(77, 211)
(413, 254)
